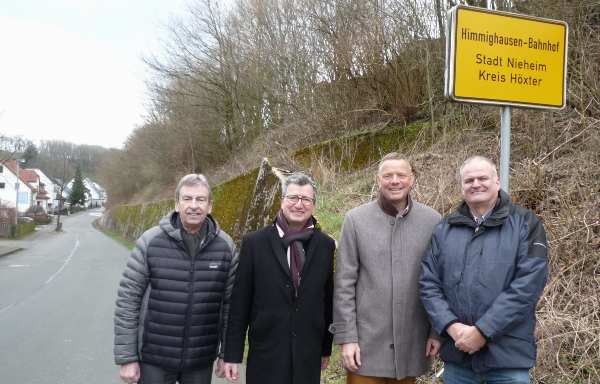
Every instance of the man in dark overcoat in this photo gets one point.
(283, 295)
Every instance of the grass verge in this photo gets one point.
(113, 235)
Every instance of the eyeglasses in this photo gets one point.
(306, 201)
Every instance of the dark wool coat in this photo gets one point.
(287, 335)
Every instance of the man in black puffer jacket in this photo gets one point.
(481, 281)
(173, 299)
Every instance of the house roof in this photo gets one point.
(11, 166)
(65, 190)
(94, 186)
(40, 170)
(29, 175)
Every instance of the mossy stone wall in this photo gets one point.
(251, 200)
(130, 221)
(240, 205)
(247, 202)
(354, 152)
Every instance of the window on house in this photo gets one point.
(1, 168)
(1, 185)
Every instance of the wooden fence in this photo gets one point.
(5, 229)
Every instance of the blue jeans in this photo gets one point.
(455, 374)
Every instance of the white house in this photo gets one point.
(66, 191)
(8, 192)
(95, 194)
(51, 186)
(39, 196)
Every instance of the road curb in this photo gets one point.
(9, 251)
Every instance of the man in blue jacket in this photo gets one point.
(481, 281)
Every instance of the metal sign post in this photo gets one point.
(505, 148)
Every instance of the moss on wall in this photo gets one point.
(349, 153)
(247, 202)
(231, 202)
(130, 221)
(240, 205)
(251, 200)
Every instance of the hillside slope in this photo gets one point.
(555, 171)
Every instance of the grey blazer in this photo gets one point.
(376, 298)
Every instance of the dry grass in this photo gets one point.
(555, 171)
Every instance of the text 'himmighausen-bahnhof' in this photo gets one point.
(494, 38)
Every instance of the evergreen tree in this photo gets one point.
(77, 195)
(30, 155)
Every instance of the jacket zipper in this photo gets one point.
(464, 265)
(188, 319)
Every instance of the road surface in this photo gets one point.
(57, 298)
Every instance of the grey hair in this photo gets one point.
(191, 180)
(393, 156)
(300, 179)
(478, 158)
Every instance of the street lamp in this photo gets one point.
(17, 161)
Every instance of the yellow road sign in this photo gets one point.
(504, 58)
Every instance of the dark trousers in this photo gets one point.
(151, 374)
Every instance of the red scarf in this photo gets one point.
(297, 256)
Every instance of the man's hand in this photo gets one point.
(351, 356)
(471, 340)
(231, 372)
(324, 362)
(220, 371)
(433, 347)
(456, 330)
(130, 373)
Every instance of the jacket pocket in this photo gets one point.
(452, 280)
(496, 276)
(143, 320)
(363, 305)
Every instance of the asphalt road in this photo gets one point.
(57, 298)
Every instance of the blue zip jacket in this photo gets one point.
(490, 276)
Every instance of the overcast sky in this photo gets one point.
(71, 69)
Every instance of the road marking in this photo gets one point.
(66, 261)
(7, 308)
(95, 214)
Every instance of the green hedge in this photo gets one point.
(24, 228)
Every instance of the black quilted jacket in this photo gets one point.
(172, 308)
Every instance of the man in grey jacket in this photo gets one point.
(173, 299)
(378, 317)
